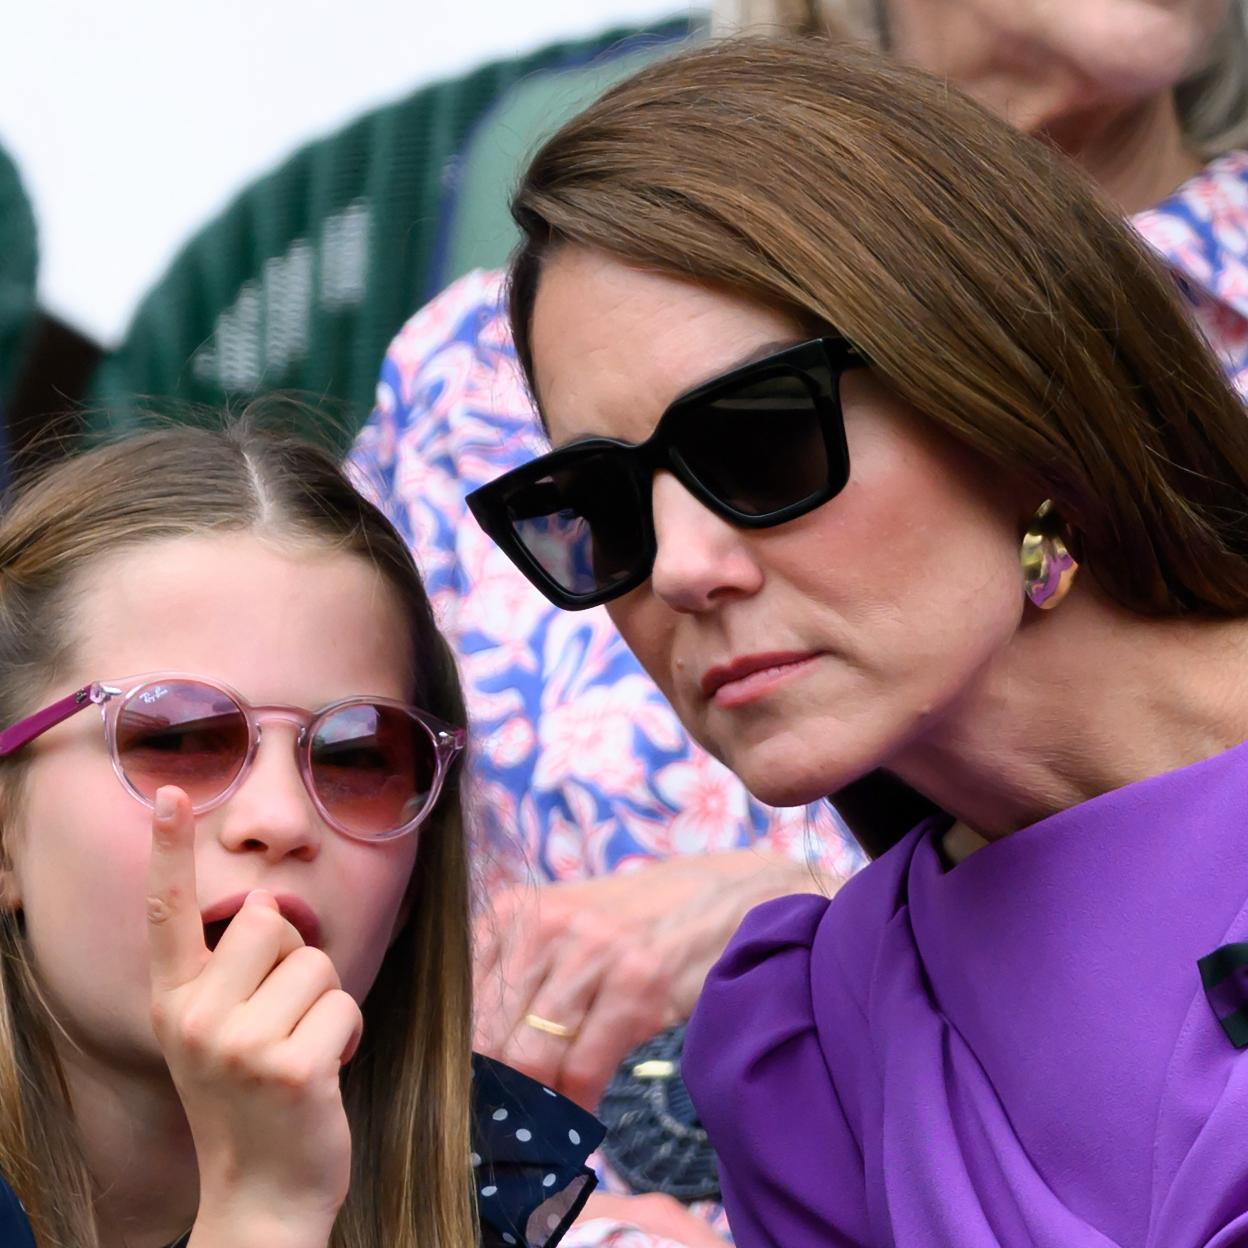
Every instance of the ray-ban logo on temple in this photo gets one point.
(760, 445)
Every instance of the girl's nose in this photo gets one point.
(702, 560)
(271, 812)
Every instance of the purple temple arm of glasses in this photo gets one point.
(26, 730)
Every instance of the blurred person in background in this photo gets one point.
(1148, 97)
(647, 852)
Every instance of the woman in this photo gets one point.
(452, 413)
(1149, 99)
(888, 445)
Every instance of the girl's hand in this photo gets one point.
(254, 1033)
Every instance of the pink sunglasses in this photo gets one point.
(373, 767)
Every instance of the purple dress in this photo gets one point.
(1017, 1052)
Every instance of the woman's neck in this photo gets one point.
(1085, 700)
(138, 1149)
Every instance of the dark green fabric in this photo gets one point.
(480, 232)
(301, 283)
(18, 267)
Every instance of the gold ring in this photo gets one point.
(538, 1023)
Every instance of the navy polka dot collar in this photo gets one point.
(529, 1150)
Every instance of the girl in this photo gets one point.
(234, 993)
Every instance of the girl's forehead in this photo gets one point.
(322, 623)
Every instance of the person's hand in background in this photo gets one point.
(649, 1221)
(570, 977)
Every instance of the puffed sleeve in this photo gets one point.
(791, 1168)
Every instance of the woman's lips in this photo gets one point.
(753, 676)
(294, 910)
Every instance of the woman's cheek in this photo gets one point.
(645, 623)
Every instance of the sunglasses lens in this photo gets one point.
(758, 448)
(183, 733)
(373, 767)
(583, 523)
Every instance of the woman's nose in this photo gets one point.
(701, 559)
(271, 812)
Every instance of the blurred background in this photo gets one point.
(213, 201)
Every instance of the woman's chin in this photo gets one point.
(790, 785)
(805, 759)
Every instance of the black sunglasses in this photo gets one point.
(760, 445)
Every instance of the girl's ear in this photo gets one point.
(10, 893)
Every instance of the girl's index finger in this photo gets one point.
(175, 929)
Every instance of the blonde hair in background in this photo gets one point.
(407, 1092)
(1212, 100)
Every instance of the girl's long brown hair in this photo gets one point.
(984, 279)
(407, 1091)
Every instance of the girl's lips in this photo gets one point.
(753, 676)
(294, 910)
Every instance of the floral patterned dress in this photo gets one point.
(1202, 231)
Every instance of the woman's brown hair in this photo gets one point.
(407, 1091)
(983, 278)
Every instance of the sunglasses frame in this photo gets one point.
(113, 696)
(819, 361)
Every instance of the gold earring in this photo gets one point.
(1048, 566)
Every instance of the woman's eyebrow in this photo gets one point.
(760, 352)
(752, 356)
